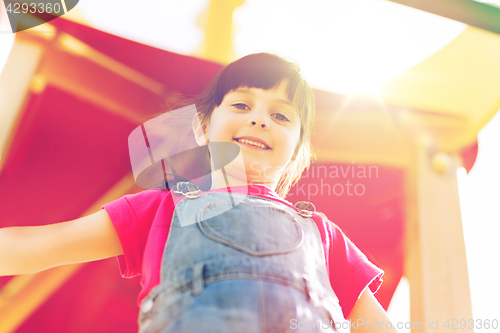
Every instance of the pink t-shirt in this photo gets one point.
(142, 222)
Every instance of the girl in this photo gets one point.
(238, 257)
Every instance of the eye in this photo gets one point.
(282, 117)
(237, 104)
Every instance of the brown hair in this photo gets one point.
(266, 71)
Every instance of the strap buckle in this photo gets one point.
(188, 189)
(305, 213)
(305, 208)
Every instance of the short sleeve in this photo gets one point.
(349, 270)
(132, 216)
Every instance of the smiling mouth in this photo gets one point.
(252, 143)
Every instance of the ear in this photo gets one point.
(200, 131)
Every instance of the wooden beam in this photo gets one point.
(78, 48)
(218, 43)
(89, 68)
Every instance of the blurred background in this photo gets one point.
(407, 88)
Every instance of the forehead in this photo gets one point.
(277, 94)
(280, 88)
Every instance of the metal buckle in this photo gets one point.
(305, 213)
(192, 194)
(305, 208)
(186, 186)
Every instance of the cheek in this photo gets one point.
(222, 129)
(294, 144)
(289, 143)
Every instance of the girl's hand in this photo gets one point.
(369, 316)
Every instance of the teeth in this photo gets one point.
(250, 142)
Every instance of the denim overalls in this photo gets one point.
(257, 266)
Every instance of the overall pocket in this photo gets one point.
(258, 229)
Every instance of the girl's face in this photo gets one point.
(264, 116)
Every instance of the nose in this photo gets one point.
(259, 119)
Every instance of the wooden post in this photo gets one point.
(218, 43)
(436, 264)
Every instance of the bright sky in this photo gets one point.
(342, 46)
(480, 202)
(6, 38)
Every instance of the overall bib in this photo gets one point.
(255, 267)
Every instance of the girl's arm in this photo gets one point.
(368, 315)
(27, 250)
